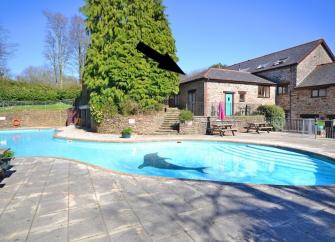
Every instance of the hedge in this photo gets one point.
(23, 91)
(274, 115)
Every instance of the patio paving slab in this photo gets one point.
(86, 203)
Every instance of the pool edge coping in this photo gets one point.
(175, 139)
(107, 170)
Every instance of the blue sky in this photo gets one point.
(206, 31)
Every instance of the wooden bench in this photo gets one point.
(222, 129)
(216, 129)
(265, 128)
(228, 130)
(258, 127)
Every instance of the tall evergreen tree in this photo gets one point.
(115, 71)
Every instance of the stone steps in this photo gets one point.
(170, 123)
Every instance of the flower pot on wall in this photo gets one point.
(189, 123)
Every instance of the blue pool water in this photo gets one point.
(216, 161)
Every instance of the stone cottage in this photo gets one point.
(304, 75)
(301, 79)
(240, 92)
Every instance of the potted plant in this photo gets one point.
(5, 159)
(186, 116)
(126, 133)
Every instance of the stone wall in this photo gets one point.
(316, 57)
(303, 103)
(34, 118)
(282, 76)
(200, 123)
(144, 123)
(198, 86)
(216, 93)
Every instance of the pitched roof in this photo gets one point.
(322, 75)
(226, 75)
(293, 55)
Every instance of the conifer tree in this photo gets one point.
(115, 72)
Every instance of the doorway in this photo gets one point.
(229, 104)
(191, 101)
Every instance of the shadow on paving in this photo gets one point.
(237, 212)
(8, 173)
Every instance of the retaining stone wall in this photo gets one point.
(34, 118)
(144, 123)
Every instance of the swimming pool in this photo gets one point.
(203, 160)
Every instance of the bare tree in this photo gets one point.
(43, 74)
(57, 50)
(6, 50)
(79, 39)
(39, 74)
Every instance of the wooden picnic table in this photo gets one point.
(222, 129)
(226, 126)
(258, 127)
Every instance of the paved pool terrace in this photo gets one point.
(52, 199)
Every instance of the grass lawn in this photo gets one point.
(47, 107)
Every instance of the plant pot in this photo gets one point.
(2, 173)
(189, 123)
(5, 163)
(126, 136)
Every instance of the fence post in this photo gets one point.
(315, 128)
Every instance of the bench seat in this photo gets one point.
(229, 130)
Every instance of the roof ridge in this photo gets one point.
(321, 40)
(224, 69)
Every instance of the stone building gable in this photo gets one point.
(317, 57)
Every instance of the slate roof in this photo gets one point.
(293, 55)
(322, 75)
(226, 75)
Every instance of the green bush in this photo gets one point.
(129, 106)
(274, 115)
(185, 115)
(23, 91)
(127, 131)
(7, 154)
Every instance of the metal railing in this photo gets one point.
(317, 127)
(28, 105)
(14, 114)
(212, 108)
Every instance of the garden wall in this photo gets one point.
(144, 123)
(34, 118)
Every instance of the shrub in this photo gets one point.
(185, 115)
(127, 131)
(129, 106)
(7, 154)
(274, 115)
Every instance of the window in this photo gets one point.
(287, 112)
(242, 97)
(309, 116)
(280, 61)
(264, 91)
(282, 90)
(322, 92)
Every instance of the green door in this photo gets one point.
(229, 104)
